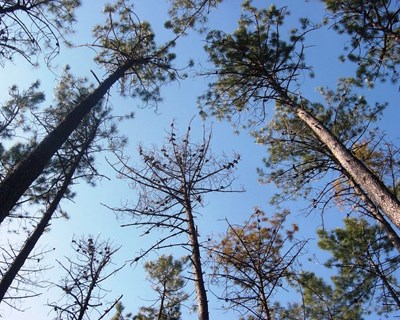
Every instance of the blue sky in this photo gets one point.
(150, 127)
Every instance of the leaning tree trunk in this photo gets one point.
(31, 242)
(19, 180)
(372, 186)
(200, 288)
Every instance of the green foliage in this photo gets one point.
(365, 267)
(367, 264)
(14, 111)
(119, 308)
(165, 275)
(189, 13)
(29, 28)
(16, 119)
(374, 28)
(323, 302)
(252, 65)
(124, 38)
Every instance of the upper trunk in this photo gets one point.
(19, 180)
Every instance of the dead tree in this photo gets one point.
(83, 294)
(172, 184)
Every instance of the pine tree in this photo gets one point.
(137, 64)
(165, 275)
(256, 66)
(252, 262)
(82, 286)
(367, 264)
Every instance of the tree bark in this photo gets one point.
(372, 186)
(19, 180)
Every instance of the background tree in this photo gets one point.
(31, 27)
(82, 287)
(172, 184)
(119, 309)
(165, 276)
(367, 264)
(364, 266)
(321, 300)
(250, 263)
(256, 66)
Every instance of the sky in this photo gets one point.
(87, 213)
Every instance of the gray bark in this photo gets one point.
(370, 184)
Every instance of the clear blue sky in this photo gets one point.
(150, 127)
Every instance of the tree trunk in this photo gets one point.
(85, 304)
(19, 180)
(201, 292)
(371, 185)
(31, 242)
(160, 311)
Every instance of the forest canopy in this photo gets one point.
(189, 159)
